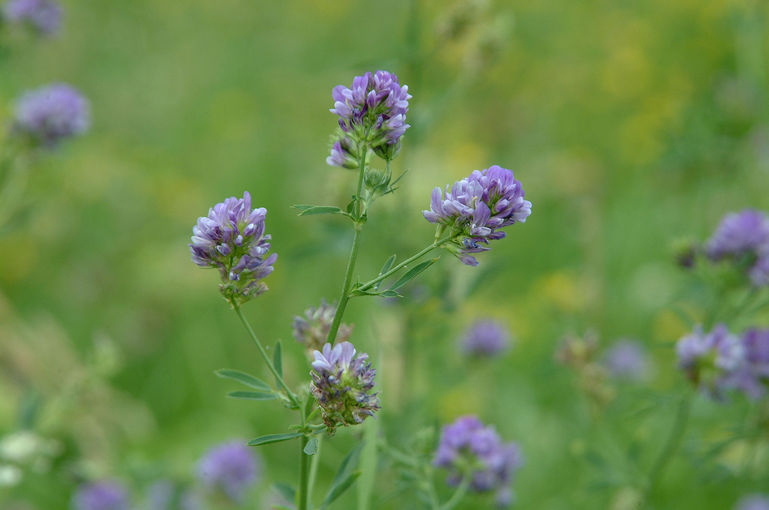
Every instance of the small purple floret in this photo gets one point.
(44, 16)
(485, 338)
(743, 237)
(373, 111)
(104, 495)
(232, 239)
(468, 448)
(711, 360)
(230, 468)
(475, 208)
(51, 114)
(627, 359)
(343, 383)
(753, 502)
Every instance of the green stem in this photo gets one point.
(671, 445)
(437, 243)
(304, 472)
(263, 352)
(458, 494)
(342, 305)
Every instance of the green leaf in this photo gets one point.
(349, 463)
(321, 209)
(386, 267)
(286, 491)
(243, 378)
(252, 395)
(390, 293)
(412, 273)
(274, 438)
(339, 489)
(277, 359)
(311, 448)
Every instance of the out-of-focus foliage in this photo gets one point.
(630, 124)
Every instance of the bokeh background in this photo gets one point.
(631, 125)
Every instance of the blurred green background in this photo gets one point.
(631, 125)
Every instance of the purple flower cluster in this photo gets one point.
(342, 384)
(51, 114)
(485, 338)
(720, 361)
(312, 329)
(230, 468)
(467, 448)
(627, 359)
(475, 208)
(103, 495)
(744, 238)
(753, 502)
(232, 239)
(44, 16)
(373, 113)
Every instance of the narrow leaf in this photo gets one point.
(412, 273)
(390, 293)
(349, 463)
(321, 209)
(303, 207)
(311, 448)
(386, 267)
(252, 395)
(286, 491)
(274, 438)
(339, 489)
(243, 378)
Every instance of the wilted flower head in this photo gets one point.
(467, 448)
(104, 495)
(627, 359)
(51, 114)
(230, 468)
(312, 329)
(711, 360)
(372, 112)
(232, 239)
(753, 502)
(485, 338)
(342, 383)
(475, 208)
(44, 16)
(743, 237)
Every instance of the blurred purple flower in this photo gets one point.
(711, 360)
(51, 114)
(485, 338)
(342, 383)
(103, 495)
(232, 239)
(476, 207)
(312, 329)
(743, 236)
(752, 377)
(230, 468)
(627, 359)
(372, 111)
(753, 502)
(467, 448)
(44, 16)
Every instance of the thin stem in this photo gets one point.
(437, 243)
(263, 352)
(342, 305)
(671, 445)
(304, 464)
(458, 494)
